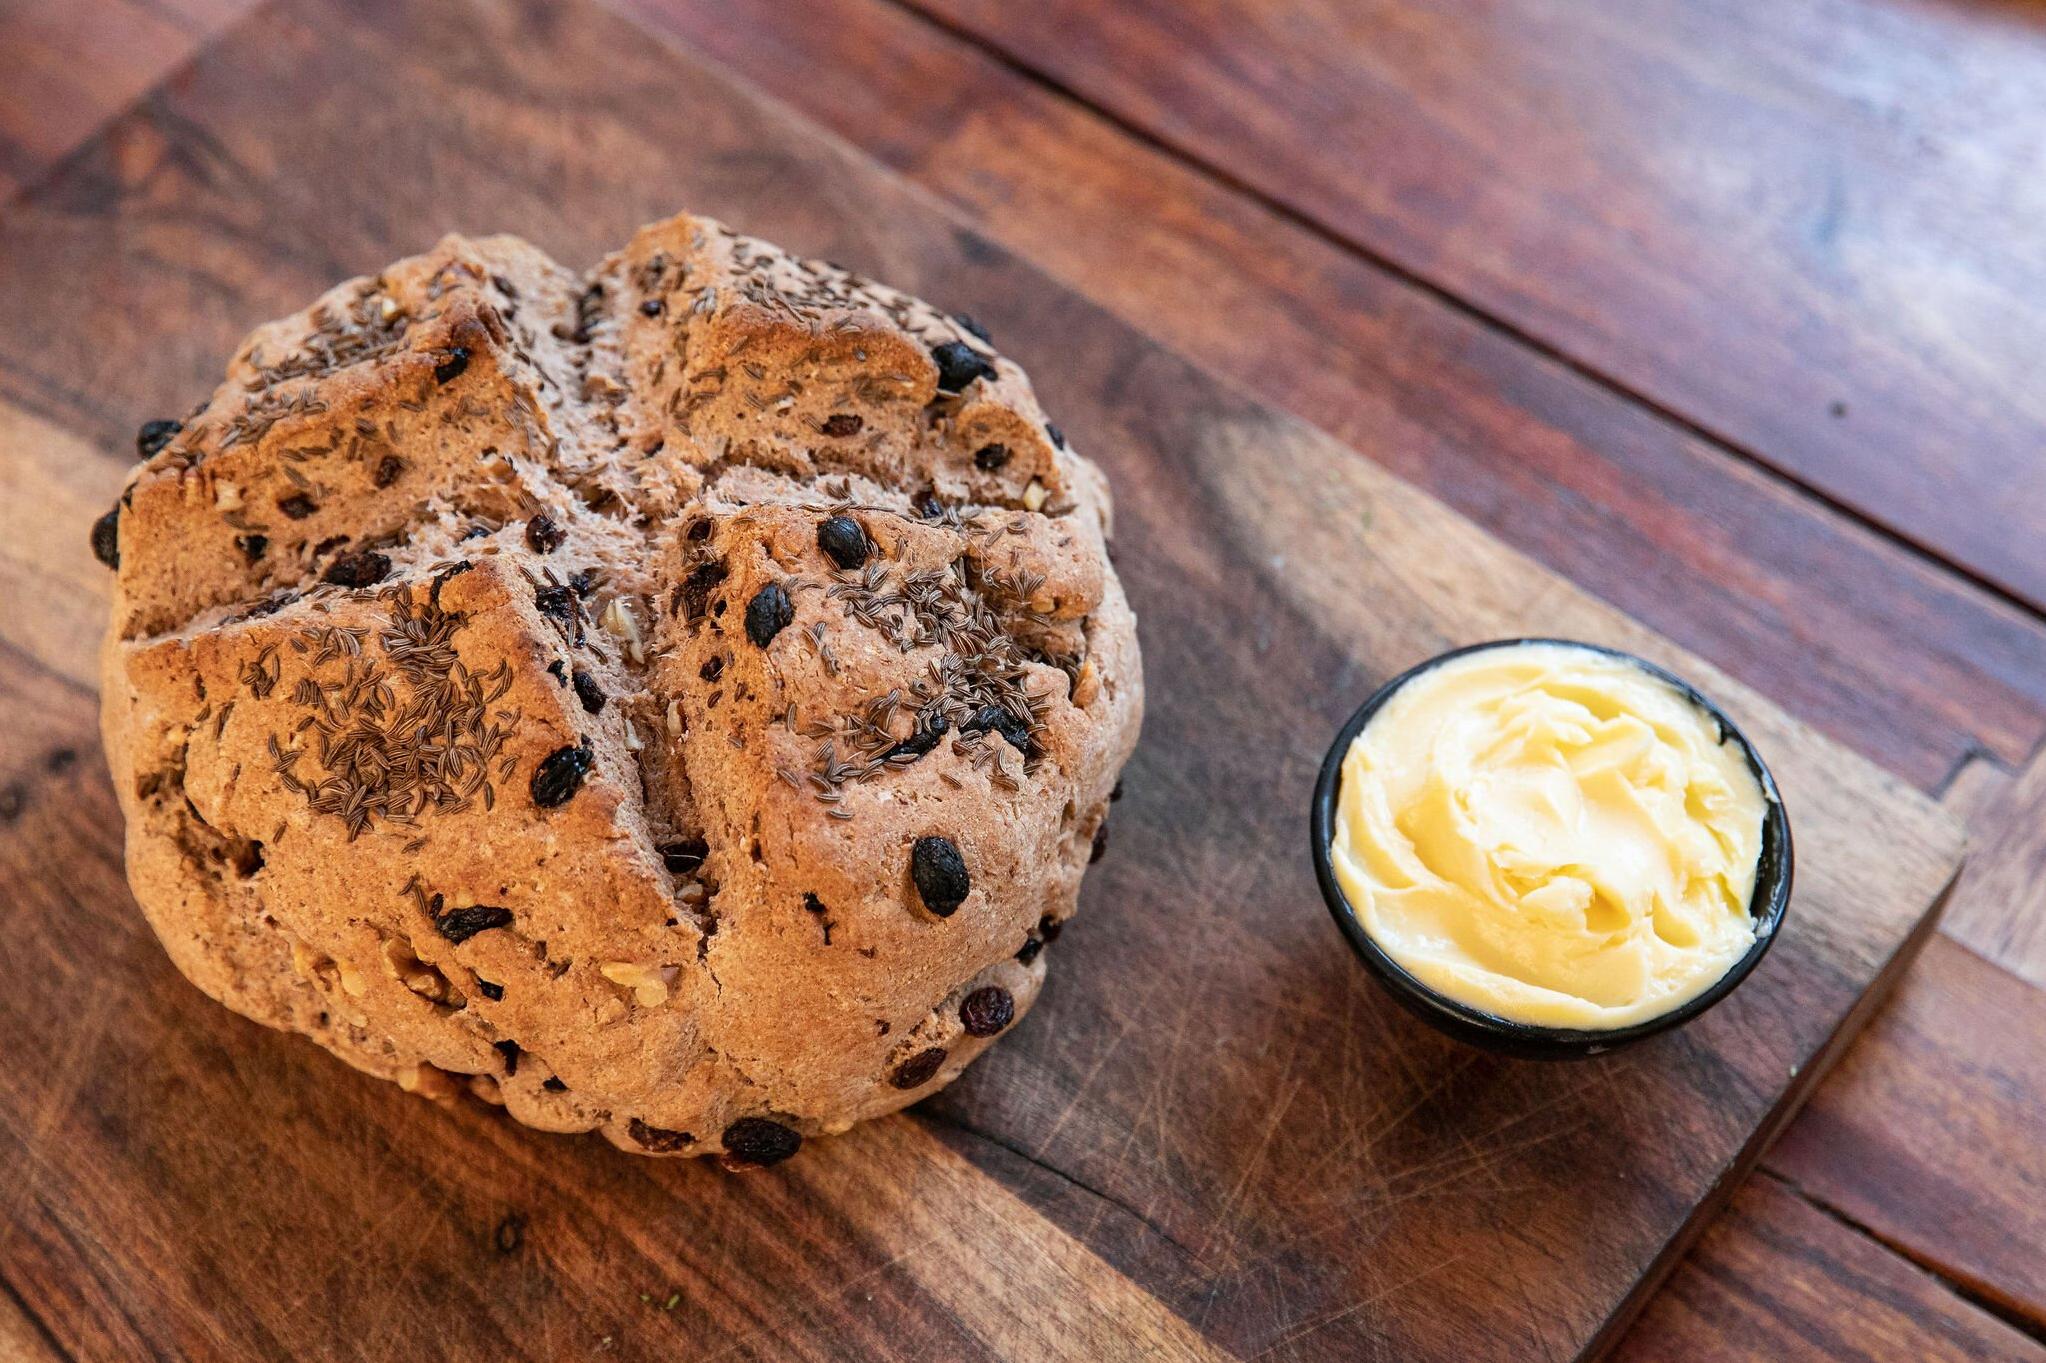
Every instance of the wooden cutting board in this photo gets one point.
(1213, 1138)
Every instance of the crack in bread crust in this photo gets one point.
(554, 686)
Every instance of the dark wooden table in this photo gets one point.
(1729, 313)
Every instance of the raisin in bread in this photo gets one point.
(679, 701)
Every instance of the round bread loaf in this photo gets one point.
(679, 701)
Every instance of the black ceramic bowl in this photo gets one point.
(1527, 1040)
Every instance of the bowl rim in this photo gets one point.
(1767, 905)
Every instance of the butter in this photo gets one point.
(1550, 835)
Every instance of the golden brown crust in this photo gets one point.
(562, 685)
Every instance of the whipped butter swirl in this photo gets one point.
(1551, 835)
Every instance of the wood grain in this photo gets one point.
(1896, 659)
(1975, 791)
(21, 1338)
(1775, 1278)
(1999, 907)
(1212, 1101)
(1931, 1134)
(51, 482)
(67, 68)
(1807, 228)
